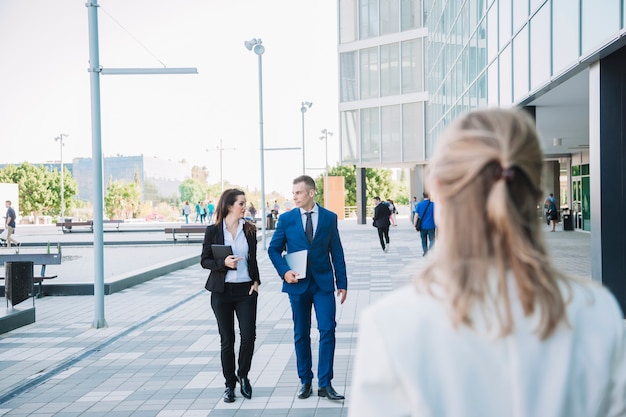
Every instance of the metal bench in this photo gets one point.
(66, 226)
(186, 230)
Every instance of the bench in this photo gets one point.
(186, 229)
(42, 259)
(67, 226)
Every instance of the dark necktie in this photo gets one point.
(308, 230)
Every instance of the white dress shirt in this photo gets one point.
(239, 246)
(410, 361)
(314, 218)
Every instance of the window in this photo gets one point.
(600, 20)
(370, 135)
(349, 134)
(540, 48)
(389, 17)
(347, 21)
(413, 131)
(411, 14)
(389, 70)
(520, 64)
(412, 66)
(565, 34)
(348, 85)
(391, 133)
(369, 73)
(368, 18)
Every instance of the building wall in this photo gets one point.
(381, 81)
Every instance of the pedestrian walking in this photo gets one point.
(381, 221)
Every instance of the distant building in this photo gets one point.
(159, 178)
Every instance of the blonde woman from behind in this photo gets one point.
(490, 328)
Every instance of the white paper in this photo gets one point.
(297, 262)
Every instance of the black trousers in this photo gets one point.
(235, 300)
(383, 235)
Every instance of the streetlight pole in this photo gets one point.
(60, 139)
(256, 46)
(305, 105)
(326, 133)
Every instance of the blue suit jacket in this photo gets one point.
(326, 262)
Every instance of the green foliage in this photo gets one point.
(192, 190)
(122, 200)
(40, 189)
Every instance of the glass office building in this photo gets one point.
(562, 60)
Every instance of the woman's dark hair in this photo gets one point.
(227, 200)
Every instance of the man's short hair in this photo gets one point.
(308, 181)
(8, 201)
(425, 194)
(377, 198)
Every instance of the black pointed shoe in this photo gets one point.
(246, 388)
(330, 393)
(305, 391)
(229, 395)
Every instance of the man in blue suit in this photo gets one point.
(314, 229)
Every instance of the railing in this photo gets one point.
(350, 211)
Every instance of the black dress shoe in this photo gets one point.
(330, 393)
(229, 395)
(305, 391)
(246, 388)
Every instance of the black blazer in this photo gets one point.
(381, 215)
(215, 235)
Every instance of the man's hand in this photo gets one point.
(290, 277)
(343, 294)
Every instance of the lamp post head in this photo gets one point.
(326, 133)
(255, 45)
(305, 105)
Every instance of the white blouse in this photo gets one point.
(410, 361)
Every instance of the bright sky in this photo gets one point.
(45, 88)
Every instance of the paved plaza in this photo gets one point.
(159, 355)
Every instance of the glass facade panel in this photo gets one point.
(391, 133)
(348, 85)
(370, 135)
(369, 73)
(565, 34)
(412, 65)
(412, 131)
(600, 21)
(520, 64)
(534, 5)
(411, 14)
(520, 13)
(347, 21)
(368, 18)
(540, 48)
(349, 135)
(492, 84)
(506, 77)
(492, 33)
(389, 70)
(389, 16)
(504, 7)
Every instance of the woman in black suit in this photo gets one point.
(234, 284)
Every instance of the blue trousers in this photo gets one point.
(428, 239)
(325, 307)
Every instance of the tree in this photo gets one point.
(192, 190)
(39, 189)
(122, 200)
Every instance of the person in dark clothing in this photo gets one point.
(382, 222)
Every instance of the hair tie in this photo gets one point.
(507, 174)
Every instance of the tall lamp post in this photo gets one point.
(326, 133)
(60, 139)
(305, 106)
(255, 45)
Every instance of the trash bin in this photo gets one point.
(271, 222)
(68, 223)
(18, 281)
(568, 222)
